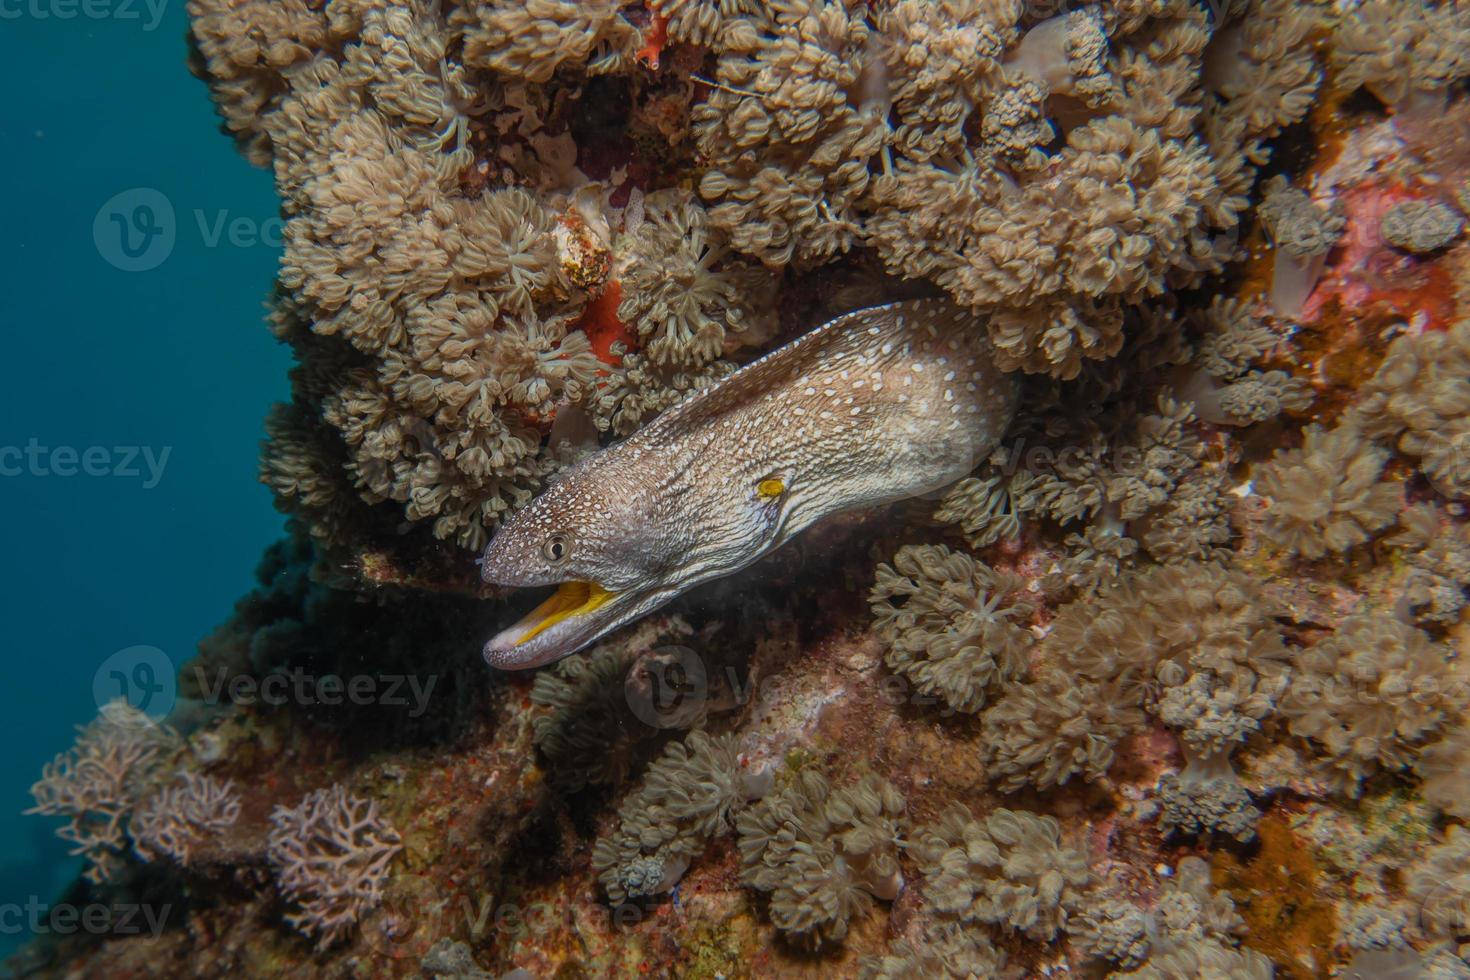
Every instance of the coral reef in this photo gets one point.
(952, 626)
(98, 781)
(688, 796)
(1327, 495)
(175, 819)
(824, 854)
(445, 245)
(1417, 399)
(1010, 868)
(331, 853)
(1170, 685)
(1372, 693)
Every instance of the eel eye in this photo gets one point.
(556, 548)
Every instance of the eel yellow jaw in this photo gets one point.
(568, 608)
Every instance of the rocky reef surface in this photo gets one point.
(1169, 687)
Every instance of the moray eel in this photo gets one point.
(872, 407)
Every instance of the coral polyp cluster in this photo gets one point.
(1171, 684)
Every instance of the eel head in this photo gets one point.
(602, 549)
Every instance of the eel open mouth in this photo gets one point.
(544, 632)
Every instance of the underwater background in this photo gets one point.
(1109, 358)
(102, 352)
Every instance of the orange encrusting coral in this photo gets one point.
(600, 322)
(1278, 892)
(1365, 273)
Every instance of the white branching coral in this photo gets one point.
(1371, 694)
(1010, 868)
(1327, 495)
(174, 820)
(96, 783)
(331, 854)
(823, 854)
(952, 626)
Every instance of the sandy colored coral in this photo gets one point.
(1437, 552)
(1010, 868)
(1421, 227)
(1370, 694)
(824, 854)
(1403, 51)
(1444, 767)
(1206, 797)
(1420, 399)
(1326, 496)
(684, 289)
(945, 952)
(531, 40)
(1191, 643)
(1114, 930)
(953, 626)
(688, 796)
(1440, 883)
(1233, 338)
(782, 87)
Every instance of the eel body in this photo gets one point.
(875, 406)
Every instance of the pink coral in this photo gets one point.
(179, 816)
(331, 853)
(96, 782)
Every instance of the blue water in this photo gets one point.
(170, 359)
